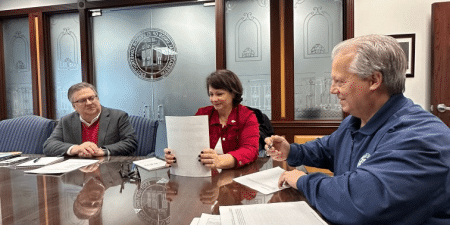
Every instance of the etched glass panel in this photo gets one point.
(317, 29)
(248, 49)
(153, 60)
(66, 58)
(16, 42)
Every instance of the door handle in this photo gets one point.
(442, 108)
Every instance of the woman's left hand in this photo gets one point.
(210, 159)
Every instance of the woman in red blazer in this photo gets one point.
(234, 124)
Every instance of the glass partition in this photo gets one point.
(66, 58)
(317, 29)
(248, 49)
(153, 60)
(16, 42)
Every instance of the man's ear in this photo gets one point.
(376, 79)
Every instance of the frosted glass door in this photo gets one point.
(248, 49)
(66, 58)
(16, 42)
(317, 29)
(153, 60)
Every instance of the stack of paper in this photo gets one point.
(151, 163)
(43, 161)
(285, 213)
(13, 161)
(8, 155)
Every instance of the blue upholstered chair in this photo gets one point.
(26, 134)
(145, 130)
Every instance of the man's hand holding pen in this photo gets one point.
(277, 147)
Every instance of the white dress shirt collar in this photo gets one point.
(93, 121)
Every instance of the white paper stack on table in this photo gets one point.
(151, 163)
(38, 162)
(63, 167)
(13, 161)
(8, 155)
(285, 213)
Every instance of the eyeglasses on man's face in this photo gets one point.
(84, 100)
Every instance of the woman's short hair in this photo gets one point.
(377, 53)
(76, 87)
(226, 80)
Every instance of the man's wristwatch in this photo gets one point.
(105, 150)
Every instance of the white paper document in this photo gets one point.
(151, 163)
(285, 213)
(208, 219)
(195, 221)
(187, 136)
(43, 161)
(14, 160)
(265, 181)
(63, 167)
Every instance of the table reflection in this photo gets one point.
(151, 201)
(94, 180)
(112, 191)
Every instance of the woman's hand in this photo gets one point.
(169, 157)
(209, 158)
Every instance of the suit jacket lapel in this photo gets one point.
(76, 123)
(103, 126)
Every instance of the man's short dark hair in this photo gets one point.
(76, 87)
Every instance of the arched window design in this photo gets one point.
(20, 53)
(67, 50)
(318, 34)
(248, 38)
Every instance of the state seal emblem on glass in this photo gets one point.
(152, 54)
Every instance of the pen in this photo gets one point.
(37, 159)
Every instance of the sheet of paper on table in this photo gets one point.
(63, 167)
(285, 213)
(195, 221)
(14, 160)
(42, 161)
(265, 181)
(151, 163)
(8, 155)
(187, 136)
(206, 219)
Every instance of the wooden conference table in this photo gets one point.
(110, 193)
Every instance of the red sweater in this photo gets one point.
(240, 137)
(90, 133)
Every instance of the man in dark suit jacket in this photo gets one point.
(92, 130)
